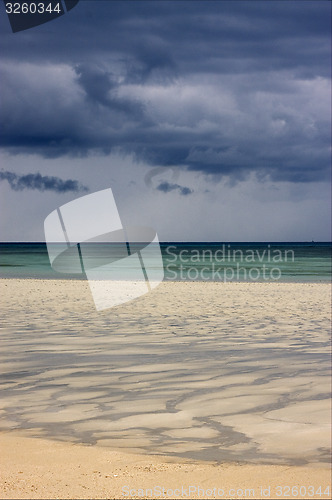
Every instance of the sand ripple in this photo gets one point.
(216, 371)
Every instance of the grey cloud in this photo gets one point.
(40, 182)
(153, 60)
(224, 88)
(185, 37)
(96, 82)
(160, 170)
(101, 87)
(166, 187)
(236, 127)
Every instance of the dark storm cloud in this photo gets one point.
(224, 88)
(40, 182)
(167, 187)
(197, 35)
(100, 87)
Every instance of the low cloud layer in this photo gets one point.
(167, 187)
(41, 183)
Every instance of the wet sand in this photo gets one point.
(229, 374)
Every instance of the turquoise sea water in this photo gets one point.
(223, 261)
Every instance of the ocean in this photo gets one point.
(196, 261)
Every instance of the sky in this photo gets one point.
(210, 121)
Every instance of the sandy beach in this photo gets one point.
(211, 385)
(37, 468)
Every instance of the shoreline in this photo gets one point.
(35, 468)
(226, 282)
